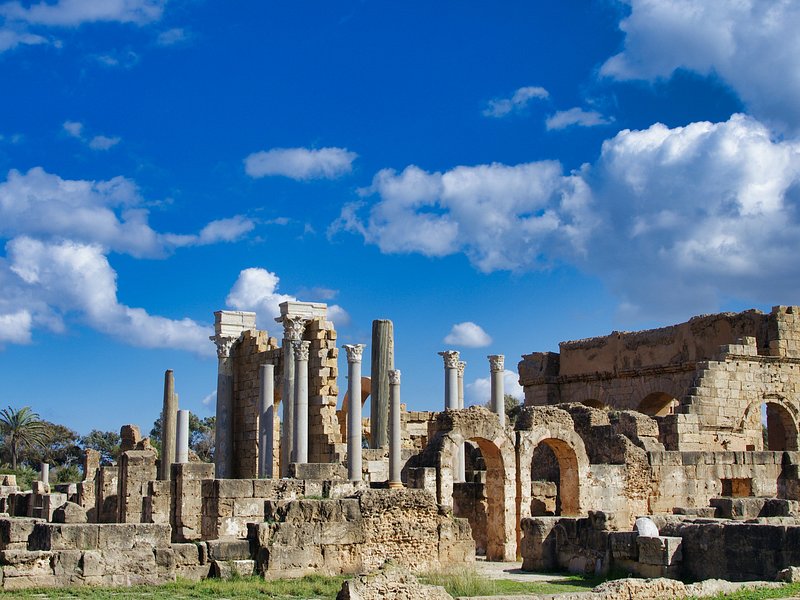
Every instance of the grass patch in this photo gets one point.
(468, 582)
(241, 588)
(785, 591)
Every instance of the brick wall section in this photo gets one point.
(253, 349)
(325, 437)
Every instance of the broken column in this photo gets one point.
(498, 402)
(382, 362)
(354, 353)
(301, 401)
(182, 437)
(228, 326)
(45, 473)
(395, 440)
(266, 420)
(293, 327)
(168, 426)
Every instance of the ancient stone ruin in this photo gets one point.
(693, 426)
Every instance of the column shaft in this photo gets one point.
(44, 475)
(498, 403)
(354, 456)
(382, 362)
(461, 473)
(223, 430)
(266, 420)
(301, 401)
(395, 434)
(168, 426)
(182, 437)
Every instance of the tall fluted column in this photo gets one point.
(292, 331)
(461, 473)
(182, 437)
(395, 439)
(266, 420)
(450, 378)
(168, 416)
(497, 368)
(301, 401)
(354, 459)
(223, 429)
(382, 362)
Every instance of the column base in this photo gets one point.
(395, 485)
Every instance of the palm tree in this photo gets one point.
(21, 428)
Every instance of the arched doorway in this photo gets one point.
(779, 431)
(481, 429)
(554, 461)
(657, 404)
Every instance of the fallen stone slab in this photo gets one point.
(390, 582)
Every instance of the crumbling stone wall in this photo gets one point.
(358, 534)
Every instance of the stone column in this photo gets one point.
(223, 430)
(461, 474)
(354, 352)
(182, 437)
(497, 368)
(292, 332)
(382, 362)
(266, 420)
(395, 439)
(301, 401)
(168, 416)
(450, 378)
(45, 474)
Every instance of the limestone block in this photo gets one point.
(662, 550)
(223, 550)
(47, 536)
(390, 583)
(233, 568)
(69, 512)
(232, 488)
(624, 545)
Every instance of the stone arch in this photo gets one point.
(482, 427)
(781, 421)
(657, 404)
(553, 427)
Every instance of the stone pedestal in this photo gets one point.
(301, 401)
(395, 436)
(498, 402)
(382, 362)
(168, 426)
(354, 458)
(182, 437)
(266, 420)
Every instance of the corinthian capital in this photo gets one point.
(300, 349)
(450, 359)
(293, 326)
(224, 344)
(354, 352)
(497, 362)
(394, 376)
(461, 366)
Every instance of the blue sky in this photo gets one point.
(502, 176)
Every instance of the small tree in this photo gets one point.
(21, 429)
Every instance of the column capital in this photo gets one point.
(293, 326)
(450, 358)
(496, 362)
(394, 376)
(224, 344)
(300, 348)
(354, 352)
(461, 366)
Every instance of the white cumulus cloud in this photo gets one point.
(468, 335)
(71, 13)
(16, 327)
(300, 163)
(575, 116)
(62, 279)
(108, 213)
(102, 142)
(502, 217)
(752, 45)
(256, 290)
(519, 100)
